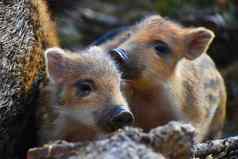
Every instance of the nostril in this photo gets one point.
(115, 118)
(121, 118)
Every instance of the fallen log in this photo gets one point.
(217, 149)
(172, 141)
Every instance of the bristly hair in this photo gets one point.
(156, 19)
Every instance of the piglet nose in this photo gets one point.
(121, 117)
(119, 55)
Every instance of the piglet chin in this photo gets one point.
(79, 133)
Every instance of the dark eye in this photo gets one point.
(161, 48)
(84, 87)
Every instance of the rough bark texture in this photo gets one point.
(23, 37)
(217, 149)
(173, 141)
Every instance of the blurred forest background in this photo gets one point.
(80, 22)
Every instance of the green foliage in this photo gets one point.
(171, 7)
(167, 7)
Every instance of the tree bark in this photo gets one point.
(217, 149)
(25, 31)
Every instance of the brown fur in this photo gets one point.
(65, 115)
(45, 36)
(181, 85)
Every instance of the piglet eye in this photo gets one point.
(161, 48)
(84, 87)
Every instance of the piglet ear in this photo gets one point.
(197, 42)
(55, 64)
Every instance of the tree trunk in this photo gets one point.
(23, 38)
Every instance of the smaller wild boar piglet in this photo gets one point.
(82, 99)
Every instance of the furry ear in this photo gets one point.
(197, 42)
(55, 64)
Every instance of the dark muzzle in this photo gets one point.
(117, 117)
